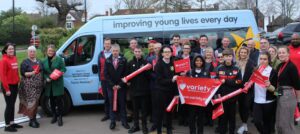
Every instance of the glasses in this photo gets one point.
(263, 42)
(166, 51)
(186, 48)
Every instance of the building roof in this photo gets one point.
(133, 11)
(280, 20)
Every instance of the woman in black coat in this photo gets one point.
(166, 86)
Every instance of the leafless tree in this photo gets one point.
(43, 9)
(63, 7)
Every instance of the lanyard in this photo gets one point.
(282, 68)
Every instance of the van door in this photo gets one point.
(81, 77)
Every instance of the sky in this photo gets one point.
(30, 6)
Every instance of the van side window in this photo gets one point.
(80, 51)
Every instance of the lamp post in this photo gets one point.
(13, 26)
(256, 16)
(85, 13)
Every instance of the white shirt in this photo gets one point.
(260, 93)
(107, 54)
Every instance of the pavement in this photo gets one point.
(86, 120)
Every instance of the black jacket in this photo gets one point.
(232, 76)
(164, 74)
(254, 54)
(273, 80)
(198, 50)
(139, 85)
(112, 75)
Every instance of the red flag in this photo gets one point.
(100, 90)
(197, 91)
(174, 102)
(36, 69)
(297, 114)
(182, 65)
(56, 74)
(218, 111)
(137, 72)
(258, 78)
(115, 99)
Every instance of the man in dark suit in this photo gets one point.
(254, 53)
(114, 71)
(203, 41)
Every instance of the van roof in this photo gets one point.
(170, 21)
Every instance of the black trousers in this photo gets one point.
(245, 102)
(121, 105)
(228, 118)
(163, 100)
(104, 86)
(154, 102)
(140, 103)
(196, 118)
(56, 103)
(9, 113)
(263, 115)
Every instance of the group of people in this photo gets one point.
(35, 79)
(271, 105)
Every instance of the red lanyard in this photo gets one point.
(282, 68)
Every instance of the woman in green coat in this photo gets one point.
(54, 89)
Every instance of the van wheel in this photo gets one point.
(66, 104)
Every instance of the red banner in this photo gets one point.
(218, 111)
(182, 65)
(197, 91)
(258, 78)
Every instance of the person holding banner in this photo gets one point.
(166, 87)
(196, 113)
(231, 77)
(114, 71)
(9, 84)
(289, 93)
(31, 86)
(54, 87)
(140, 91)
(182, 110)
(264, 99)
(245, 101)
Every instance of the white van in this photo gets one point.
(81, 50)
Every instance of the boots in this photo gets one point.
(54, 119)
(60, 121)
(33, 123)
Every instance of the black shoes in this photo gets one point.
(33, 123)
(16, 126)
(134, 129)
(60, 121)
(105, 118)
(145, 130)
(112, 125)
(125, 125)
(169, 131)
(54, 119)
(10, 129)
